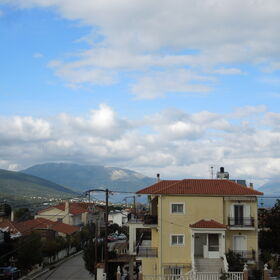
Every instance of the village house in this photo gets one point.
(74, 213)
(192, 224)
(46, 228)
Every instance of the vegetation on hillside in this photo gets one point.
(16, 186)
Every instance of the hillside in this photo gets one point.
(84, 177)
(17, 185)
(270, 189)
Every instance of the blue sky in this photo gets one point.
(147, 85)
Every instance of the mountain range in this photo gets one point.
(84, 177)
(64, 179)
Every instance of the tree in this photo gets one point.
(235, 262)
(22, 214)
(29, 251)
(89, 256)
(269, 240)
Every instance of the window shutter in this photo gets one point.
(247, 215)
(232, 210)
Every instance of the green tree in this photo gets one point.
(29, 251)
(49, 249)
(22, 214)
(269, 240)
(89, 256)
(235, 262)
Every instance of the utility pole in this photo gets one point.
(106, 227)
(95, 245)
(106, 234)
(134, 202)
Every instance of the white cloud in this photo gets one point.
(24, 129)
(248, 111)
(179, 144)
(38, 55)
(157, 84)
(228, 71)
(209, 37)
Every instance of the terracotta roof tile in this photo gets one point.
(41, 223)
(199, 187)
(11, 226)
(76, 208)
(158, 186)
(64, 228)
(207, 224)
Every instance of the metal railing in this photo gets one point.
(150, 220)
(147, 252)
(188, 276)
(246, 254)
(241, 222)
(196, 276)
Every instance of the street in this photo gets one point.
(72, 269)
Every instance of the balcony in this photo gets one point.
(246, 255)
(147, 252)
(144, 219)
(241, 222)
(150, 220)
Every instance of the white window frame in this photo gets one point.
(177, 213)
(246, 241)
(177, 245)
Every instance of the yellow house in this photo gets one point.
(73, 213)
(192, 224)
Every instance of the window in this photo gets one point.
(177, 208)
(176, 272)
(177, 240)
(60, 220)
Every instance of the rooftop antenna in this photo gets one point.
(212, 172)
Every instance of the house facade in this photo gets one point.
(73, 213)
(192, 224)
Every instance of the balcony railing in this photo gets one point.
(241, 222)
(147, 252)
(246, 254)
(150, 220)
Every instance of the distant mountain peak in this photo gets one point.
(82, 177)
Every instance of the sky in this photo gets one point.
(169, 87)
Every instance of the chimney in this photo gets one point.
(67, 212)
(251, 185)
(158, 178)
(12, 215)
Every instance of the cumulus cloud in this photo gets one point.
(159, 83)
(178, 144)
(206, 38)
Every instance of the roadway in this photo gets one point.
(72, 269)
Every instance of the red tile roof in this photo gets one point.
(11, 226)
(207, 224)
(41, 223)
(64, 228)
(199, 187)
(75, 208)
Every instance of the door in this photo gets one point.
(200, 239)
(213, 245)
(238, 215)
(240, 244)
